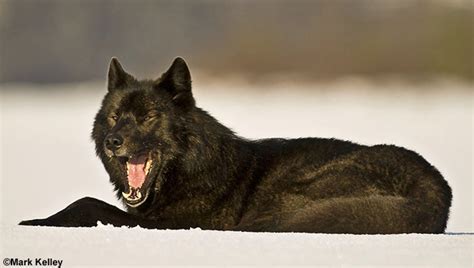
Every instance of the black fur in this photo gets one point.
(206, 176)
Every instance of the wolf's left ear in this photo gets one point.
(117, 77)
(177, 80)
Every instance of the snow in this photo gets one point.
(45, 138)
(106, 245)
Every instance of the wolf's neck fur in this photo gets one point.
(214, 149)
(217, 167)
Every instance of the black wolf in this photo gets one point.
(175, 166)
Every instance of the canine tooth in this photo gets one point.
(126, 195)
(139, 195)
(147, 166)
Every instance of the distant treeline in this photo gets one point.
(63, 41)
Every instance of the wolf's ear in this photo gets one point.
(177, 81)
(117, 77)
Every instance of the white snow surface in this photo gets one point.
(105, 245)
(47, 161)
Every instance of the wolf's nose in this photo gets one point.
(113, 142)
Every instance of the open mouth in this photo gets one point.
(139, 168)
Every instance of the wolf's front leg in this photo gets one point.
(86, 211)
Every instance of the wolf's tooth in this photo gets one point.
(126, 195)
(139, 195)
(147, 166)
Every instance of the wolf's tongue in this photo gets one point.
(136, 171)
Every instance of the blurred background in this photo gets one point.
(390, 71)
(63, 41)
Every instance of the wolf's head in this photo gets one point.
(139, 127)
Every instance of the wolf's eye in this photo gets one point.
(149, 116)
(114, 117)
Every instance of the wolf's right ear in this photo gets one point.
(117, 77)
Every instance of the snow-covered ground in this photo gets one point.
(132, 247)
(47, 161)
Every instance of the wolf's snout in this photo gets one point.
(113, 142)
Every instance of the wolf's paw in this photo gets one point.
(32, 223)
(62, 220)
(82, 213)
